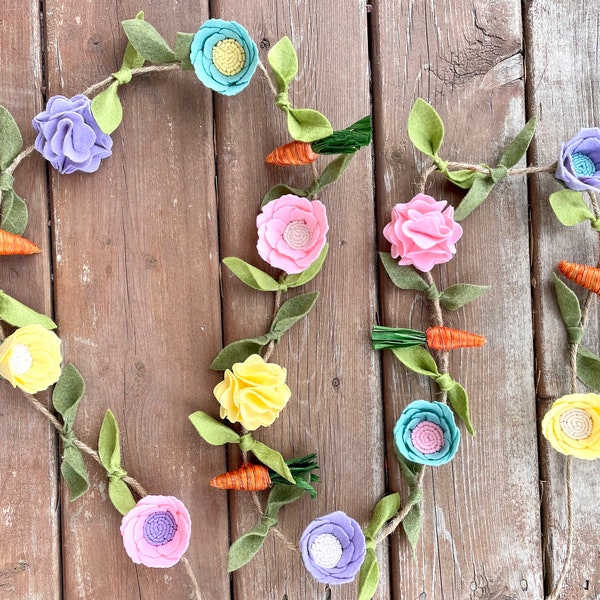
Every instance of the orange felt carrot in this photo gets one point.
(446, 338)
(10, 244)
(248, 477)
(293, 153)
(584, 275)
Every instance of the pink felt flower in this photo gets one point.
(291, 232)
(156, 532)
(422, 233)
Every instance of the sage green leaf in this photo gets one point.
(251, 276)
(417, 359)
(334, 170)
(516, 150)
(107, 109)
(410, 470)
(298, 279)
(425, 128)
(148, 42)
(6, 181)
(455, 296)
(568, 303)
(14, 213)
(74, 472)
(498, 173)
(479, 191)
(245, 548)
(459, 400)
(368, 576)
(109, 448)
(212, 431)
(570, 207)
(292, 311)
(403, 277)
(384, 510)
(11, 141)
(463, 178)
(280, 190)
(272, 459)
(238, 351)
(588, 368)
(282, 494)
(284, 63)
(131, 58)
(67, 394)
(307, 125)
(120, 495)
(183, 44)
(15, 313)
(411, 524)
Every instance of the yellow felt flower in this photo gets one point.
(30, 358)
(253, 393)
(572, 425)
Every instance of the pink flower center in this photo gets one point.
(160, 528)
(297, 235)
(427, 437)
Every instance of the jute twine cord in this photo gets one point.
(514, 171)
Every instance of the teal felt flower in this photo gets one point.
(426, 433)
(224, 56)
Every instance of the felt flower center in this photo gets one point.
(20, 360)
(229, 57)
(576, 424)
(326, 551)
(427, 437)
(297, 235)
(583, 165)
(160, 528)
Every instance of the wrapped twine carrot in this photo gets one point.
(583, 275)
(12, 244)
(437, 338)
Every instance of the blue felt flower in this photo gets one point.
(224, 56)
(426, 433)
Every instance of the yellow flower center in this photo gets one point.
(20, 360)
(297, 235)
(576, 424)
(229, 57)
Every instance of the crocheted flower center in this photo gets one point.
(326, 551)
(427, 437)
(297, 235)
(229, 57)
(583, 165)
(20, 359)
(576, 424)
(160, 528)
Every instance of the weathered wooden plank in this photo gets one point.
(29, 546)
(562, 84)
(335, 407)
(137, 296)
(481, 511)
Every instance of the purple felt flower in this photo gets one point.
(68, 136)
(579, 162)
(333, 548)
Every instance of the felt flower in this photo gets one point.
(30, 358)
(422, 233)
(579, 162)
(333, 548)
(68, 136)
(572, 425)
(426, 433)
(224, 56)
(253, 393)
(291, 232)
(156, 532)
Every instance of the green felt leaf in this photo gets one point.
(417, 359)
(425, 128)
(479, 191)
(107, 109)
(298, 279)
(410, 470)
(280, 190)
(411, 524)
(11, 141)
(462, 178)
(334, 170)
(568, 303)
(120, 495)
(516, 150)
(307, 125)
(109, 448)
(459, 400)
(212, 431)
(251, 276)
(570, 207)
(282, 494)
(15, 313)
(272, 459)
(14, 213)
(403, 277)
(588, 368)
(455, 296)
(68, 393)
(368, 576)
(183, 44)
(74, 472)
(6, 181)
(384, 510)
(238, 351)
(132, 59)
(292, 311)
(148, 42)
(284, 63)
(245, 548)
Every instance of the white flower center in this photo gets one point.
(297, 235)
(576, 424)
(20, 359)
(326, 551)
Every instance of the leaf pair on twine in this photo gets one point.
(570, 209)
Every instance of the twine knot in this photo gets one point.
(246, 442)
(268, 521)
(445, 382)
(574, 335)
(116, 475)
(283, 101)
(123, 76)
(68, 438)
(498, 173)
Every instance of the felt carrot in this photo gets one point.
(583, 275)
(293, 153)
(437, 338)
(11, 244)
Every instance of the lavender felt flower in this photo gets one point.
(68, 136)
(579, 162)
(333, 548)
